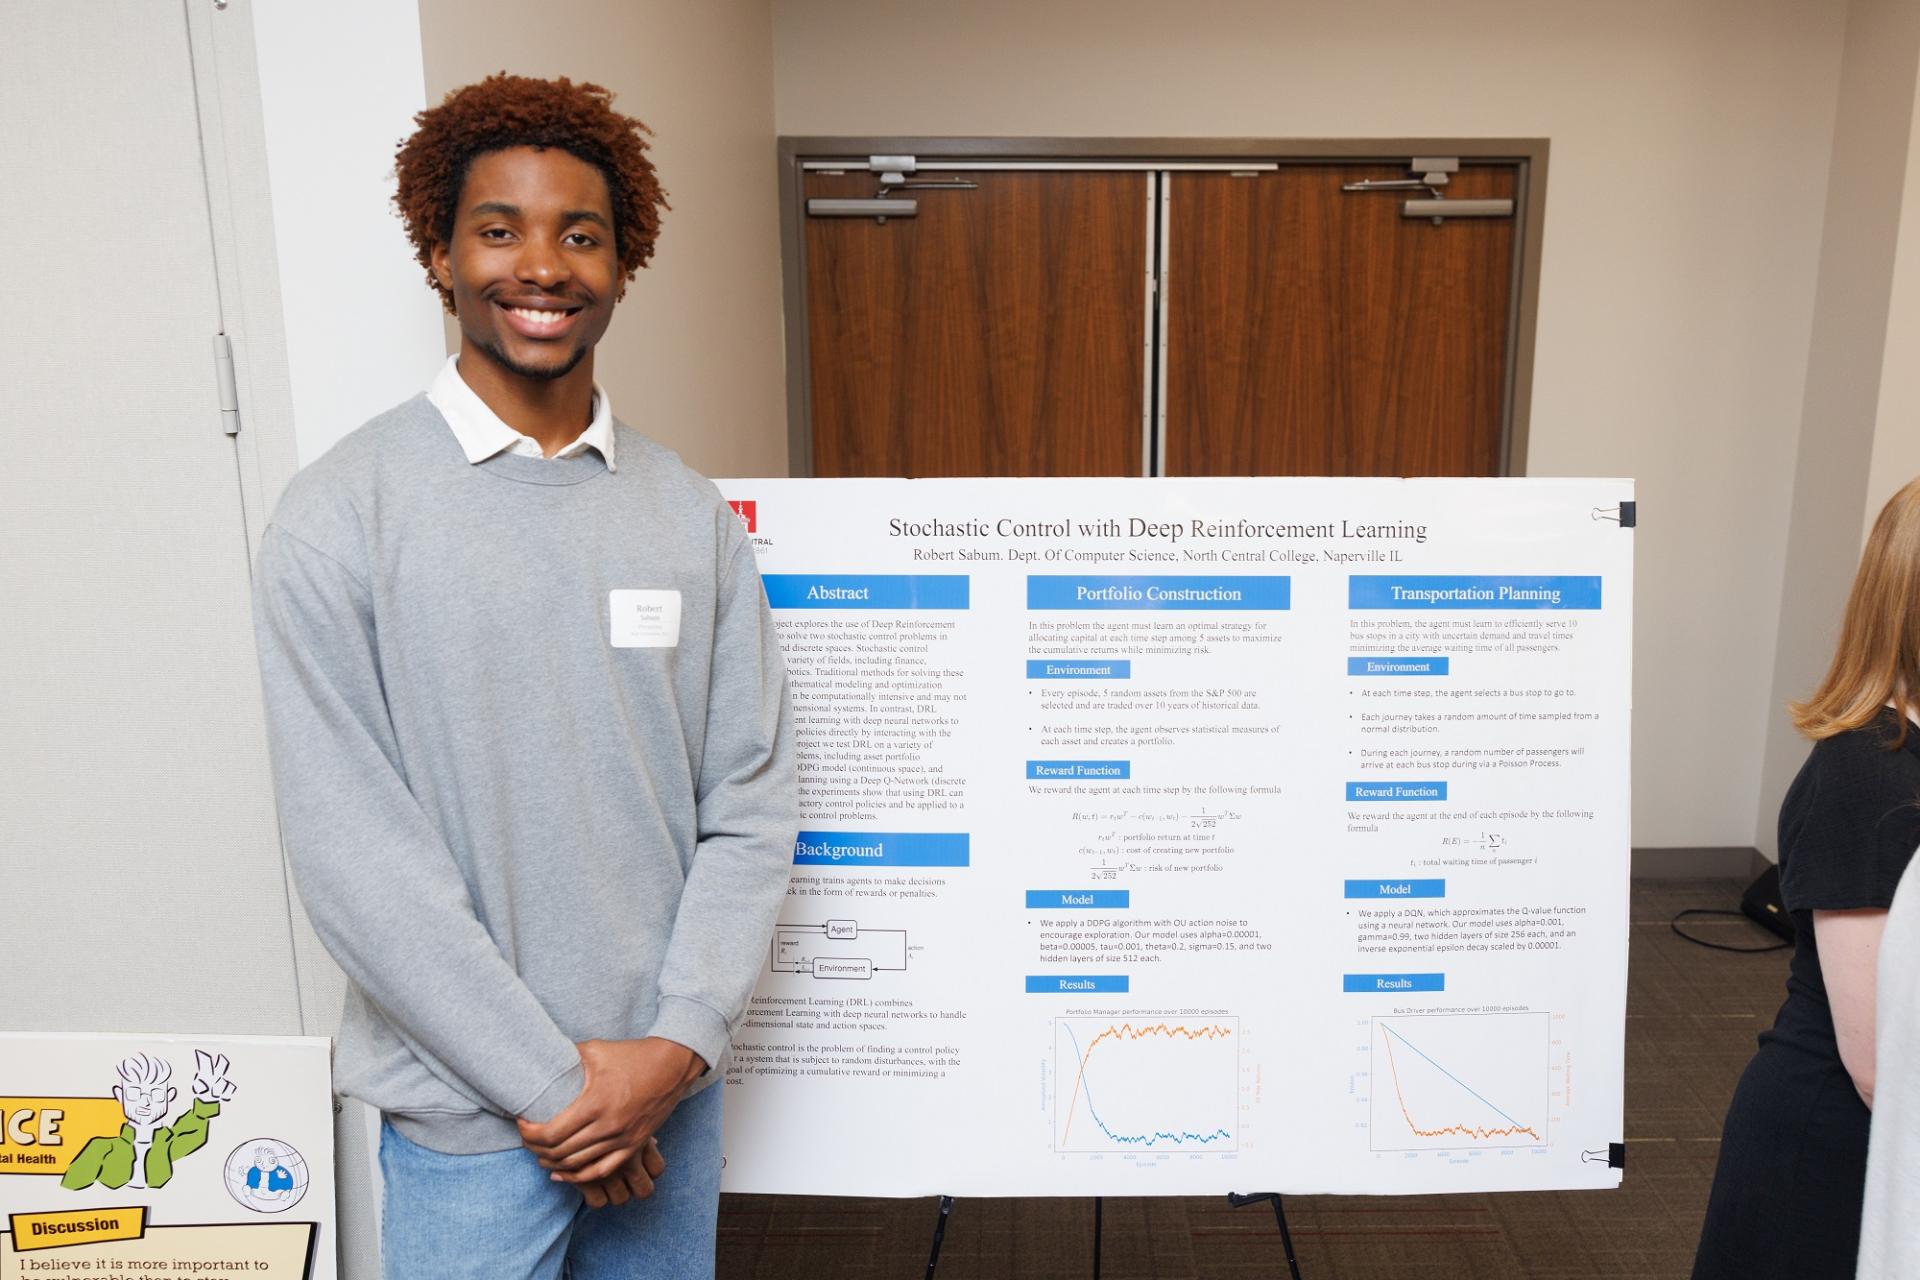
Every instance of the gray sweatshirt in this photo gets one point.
(520, 810)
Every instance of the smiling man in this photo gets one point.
(530, 734)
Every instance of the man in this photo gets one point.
(530, 734)
(143, 1153)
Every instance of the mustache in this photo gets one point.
(568, 297)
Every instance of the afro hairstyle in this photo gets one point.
(504, 111)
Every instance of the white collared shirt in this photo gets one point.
(482, 434)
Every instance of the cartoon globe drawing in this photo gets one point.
(266, 1175)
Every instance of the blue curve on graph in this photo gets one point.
(1144, 1139)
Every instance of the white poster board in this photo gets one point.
(134, 1156)
(1192, 836)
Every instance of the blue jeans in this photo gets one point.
(498, 1216)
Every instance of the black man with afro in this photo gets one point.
(530, 733)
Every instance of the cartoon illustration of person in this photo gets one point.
(268, 1175)
(143, 1153)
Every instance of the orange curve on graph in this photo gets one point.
(1127, 1031)
(1463, 1130)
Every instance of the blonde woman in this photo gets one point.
(1786, 1197)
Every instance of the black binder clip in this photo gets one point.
(1614, 1157)
(1625, 515)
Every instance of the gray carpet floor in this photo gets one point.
(1692, 1015)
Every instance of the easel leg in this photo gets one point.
(1286, 1238)
(1279, 1216)
(1097, 1204)
(939, 1234)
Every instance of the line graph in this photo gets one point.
(1443, 1081)
(1146, 1084)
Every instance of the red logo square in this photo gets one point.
(746, 509)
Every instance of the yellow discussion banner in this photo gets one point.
(75, 1226)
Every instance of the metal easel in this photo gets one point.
(1099, 1202)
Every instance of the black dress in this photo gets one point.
(1793, 1159)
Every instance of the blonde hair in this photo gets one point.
(1878, 658)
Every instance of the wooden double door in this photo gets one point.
(1268, 320)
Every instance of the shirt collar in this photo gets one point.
(482, 434)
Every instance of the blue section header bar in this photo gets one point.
(1363, 792)
(1421, 591)
(1079, 899)
(1076, 984)
(1213, 591)
(1390, 888)
(880, 849)
(1079, 669)
(1393, 983)
(1396, 666)
(1084, 770)
(867, 590)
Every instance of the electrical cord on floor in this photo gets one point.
(1674, 924)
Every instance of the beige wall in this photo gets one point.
(1690, 147)
(694, 358)
(1896, 437)
(1859, 415)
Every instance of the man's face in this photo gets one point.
(532, 264)
(144, 1104)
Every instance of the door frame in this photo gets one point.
(1523, 292)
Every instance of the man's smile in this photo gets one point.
(538, 318)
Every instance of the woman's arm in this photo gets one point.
(1849, 943)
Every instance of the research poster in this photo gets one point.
(1192, 836)
(125, 1157)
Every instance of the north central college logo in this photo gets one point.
(745, 508)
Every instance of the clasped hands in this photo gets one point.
(602, 1142)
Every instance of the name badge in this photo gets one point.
(644, 619)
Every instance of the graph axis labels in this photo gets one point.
(1168, 1084)
(1447, 1102)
